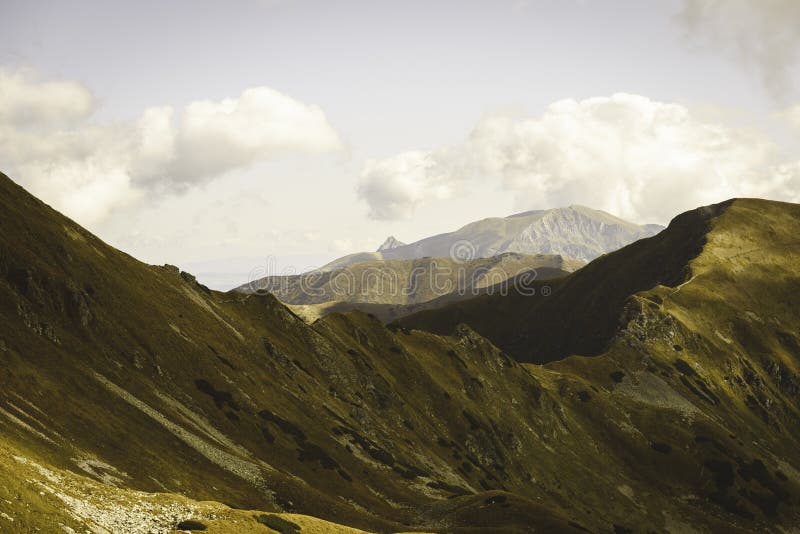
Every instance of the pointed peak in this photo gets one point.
(390, 243)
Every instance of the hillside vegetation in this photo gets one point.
(533, 327)
(392, 289)
(134, 396)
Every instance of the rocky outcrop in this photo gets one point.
(390, 243)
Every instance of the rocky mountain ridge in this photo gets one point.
(393, 288)
(574, 232)
(133, 387)
(390, 243)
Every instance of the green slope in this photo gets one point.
(533, 327)
(391, 289)
(138, 378)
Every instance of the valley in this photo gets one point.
(667, 401)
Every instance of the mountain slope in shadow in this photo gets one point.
(530, 323)
(394, 288)
(140, 384)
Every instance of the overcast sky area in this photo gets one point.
(211, 134)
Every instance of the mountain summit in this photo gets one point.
(390, 243)
(574, 232)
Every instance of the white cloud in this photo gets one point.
(214, 137)
(763, 34)
(155, 147)
(24, 102)
(783, 182)
(83, 172)
(793, 116)
(395, 186)
(86, 169)
(626, 154)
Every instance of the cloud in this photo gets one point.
(24, 102)
(793, 116)
(213, 137)
(83, 172)
(762, 34)
(50, 143)
(627, 154)
(783, 182)
(393, 187)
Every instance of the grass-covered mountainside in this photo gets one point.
(393, 288)
(133, 399)
(530, 324)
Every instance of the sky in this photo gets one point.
(230, 136)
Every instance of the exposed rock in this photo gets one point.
(390, 243)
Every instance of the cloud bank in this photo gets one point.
(49, 142)
(762, 34)
(627, 154)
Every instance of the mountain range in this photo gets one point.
(391, 289)
(575, 232)
(135, 399)
(399, 279)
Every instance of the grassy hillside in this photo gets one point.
(531, 325)
(391, 289)
(123, 377)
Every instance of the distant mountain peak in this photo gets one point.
(390, 243)
(575, 232)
